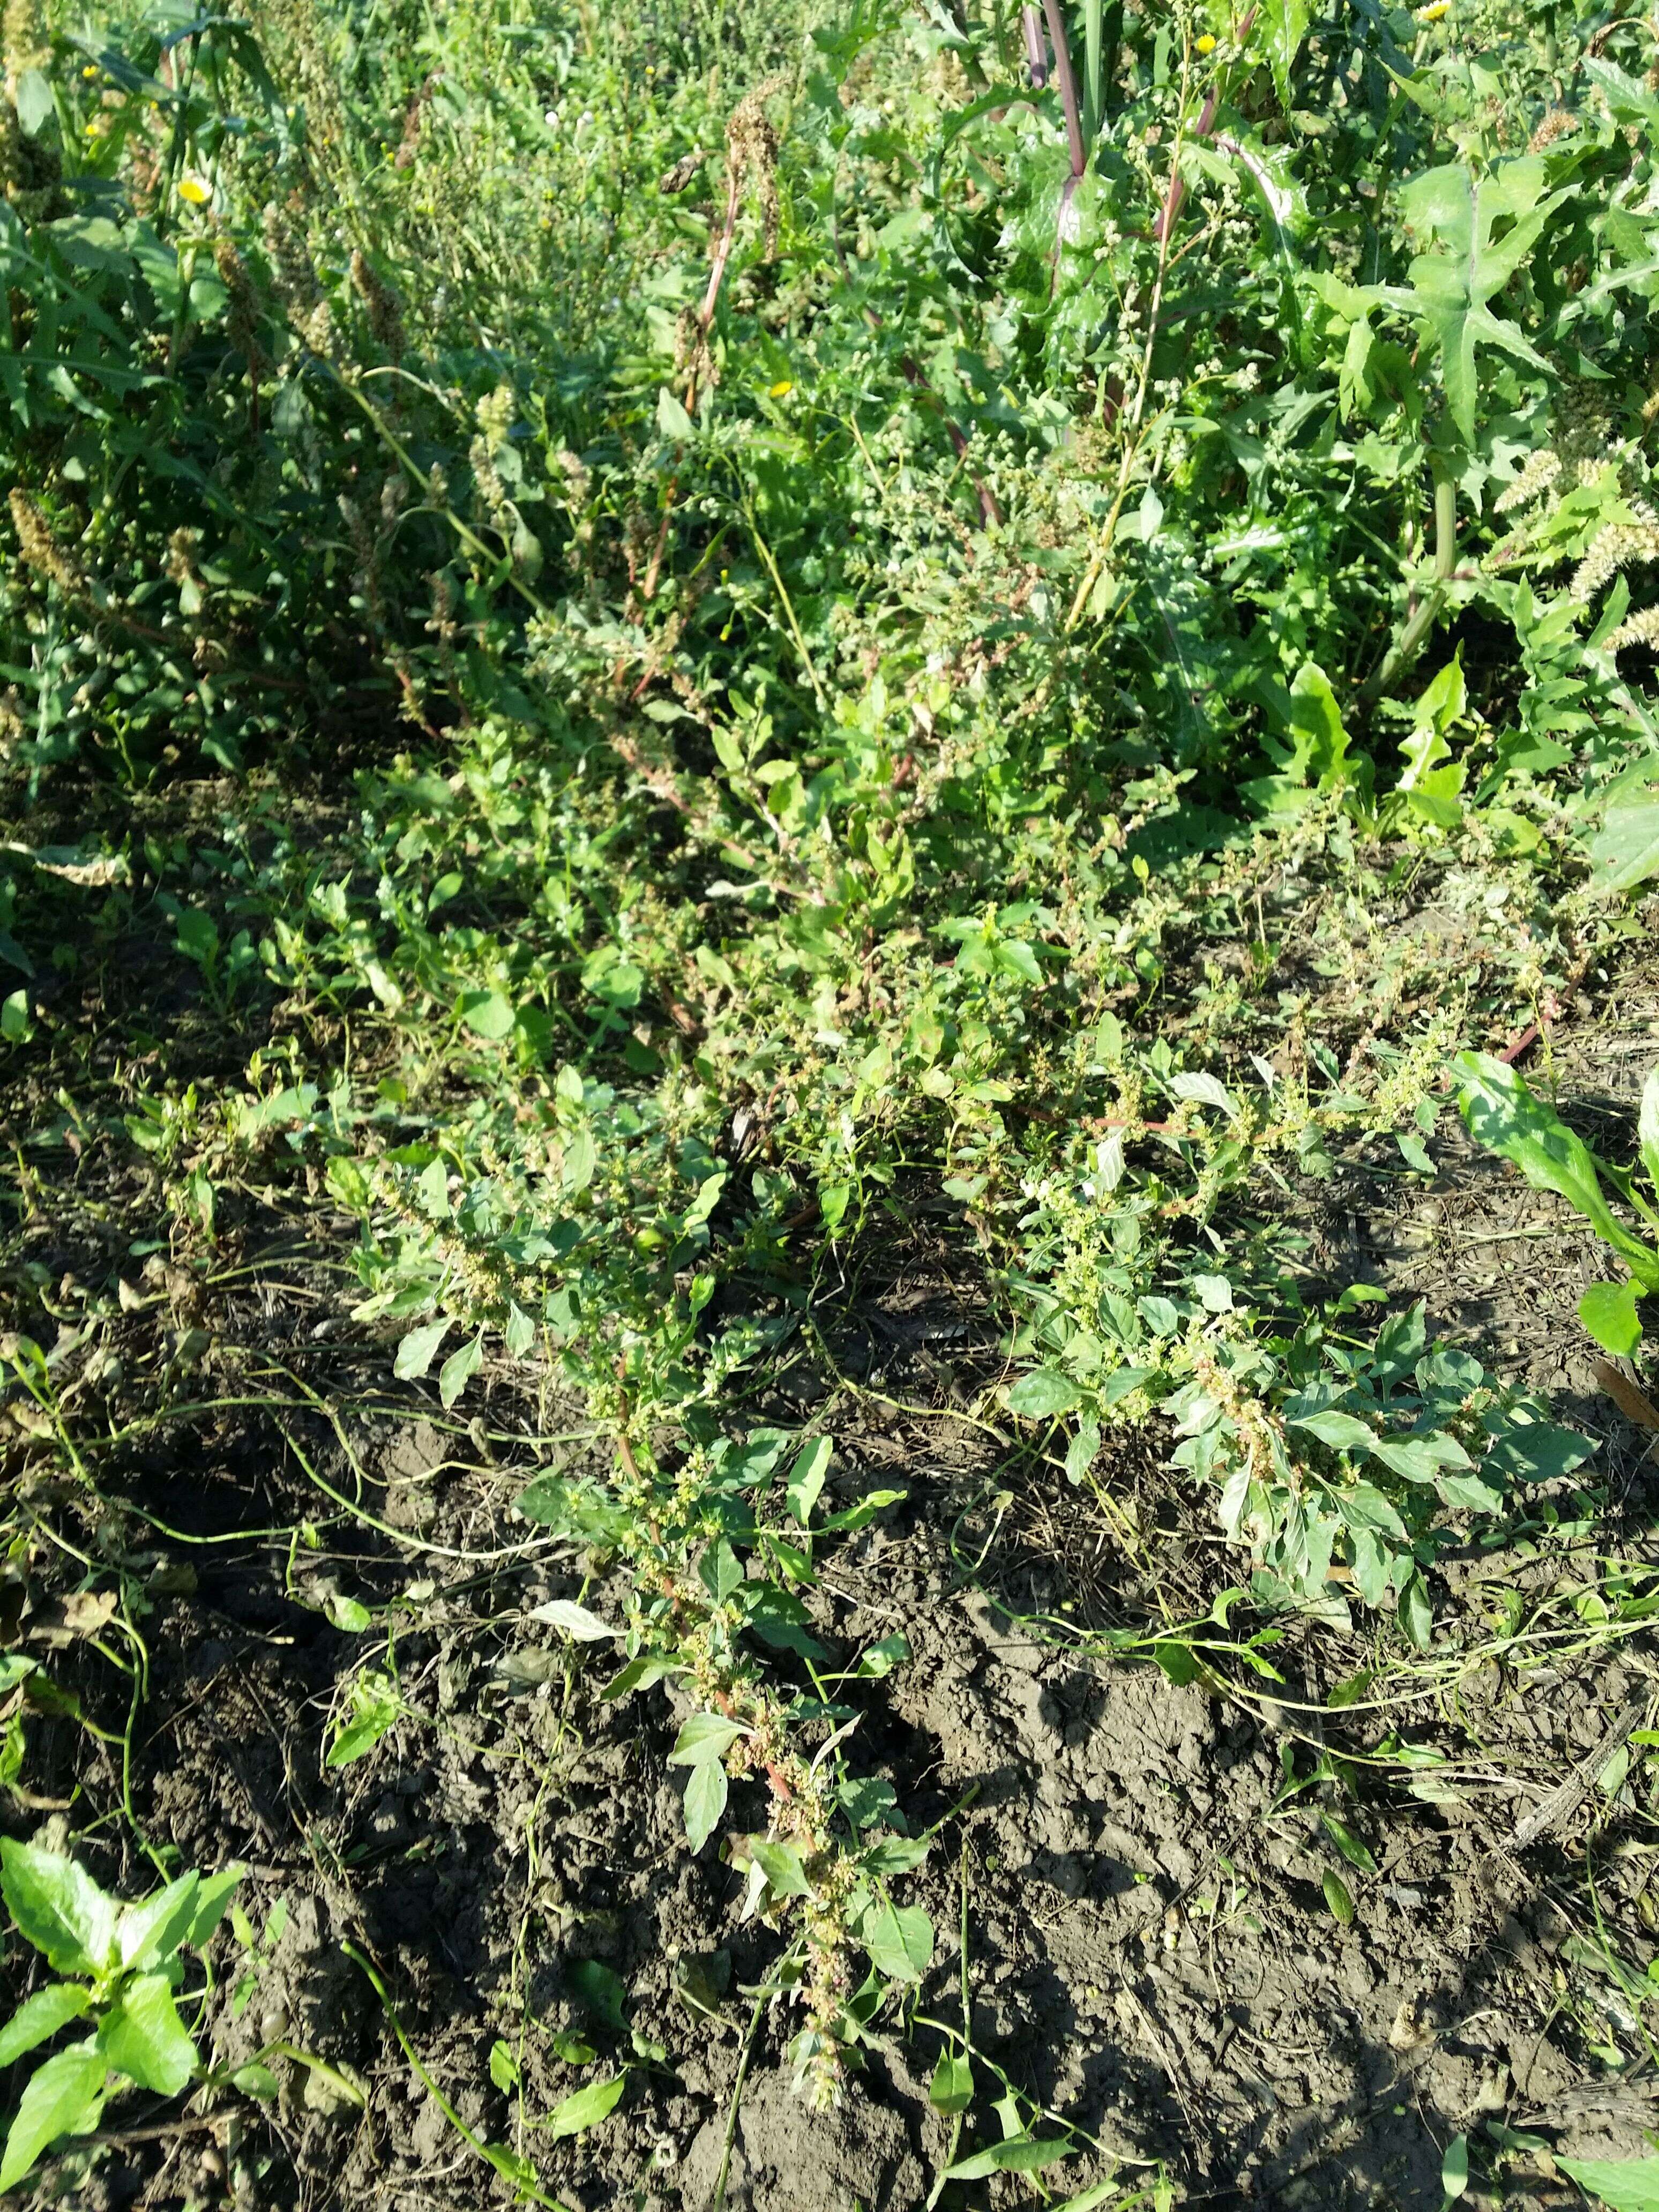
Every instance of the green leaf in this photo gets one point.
(881, 1658)
(63, 2097)
(1341, 1432)
(40, 2016)
(806, 1479)
(212, 1900)
(705, 1792)
(1503, 1114)
(487, 1014)
(1623, 2184)
(600, 1991)
(586, 2108)
(671, 418)
(1624, 851)
(951, 2089)
(785, 1875)
(503, 2067)
(1348, 1843)
(58, 1908)
(1608, 1312)
(414, 1352)
(15, 1018)
(899, 1939)
(704, 1736)
(144, 2039)
(1284, 25)
(1021, 2153)
(148, 1933)
(1337, 1898)
(1457, 213)
(256, 2081)
(1454, 2167)
(1041, 1393)
(458, 1369)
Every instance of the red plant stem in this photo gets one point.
(1036, 54)
(1062, 46)
(1177, 192)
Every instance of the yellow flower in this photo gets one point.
(1206, 44)
(1434, 11)
(193, 190)
(781, 391)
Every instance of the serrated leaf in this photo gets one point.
(1284, 25)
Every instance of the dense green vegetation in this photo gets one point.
(771, 627)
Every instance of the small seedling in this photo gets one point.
(128, 1963)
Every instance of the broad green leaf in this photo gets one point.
(1021, 2153)
(1501, 1113)
(806, 1479)
(487, 1014)
(1623, 2185)
(1419, 1458)
(40, 2016)
(586, 2108)
(503, 2067)
(951, 2089)
(212, 1900)
(704, 1736)
(671, 418)
(705, 1792)
(899, 1939)
(57, 1907)
(1337, 1898)
(781, 1864)
(62, 2097)
(1041, 1393)
(1624, 851)
(153, 1931)
(414, 1352)
(1608, 1312)
(458, 1369)
(1341, 1432)
(144, 2039)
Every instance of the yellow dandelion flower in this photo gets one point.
(781, 390)
(1206, 44)
(1434, 11)
(194, 190)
